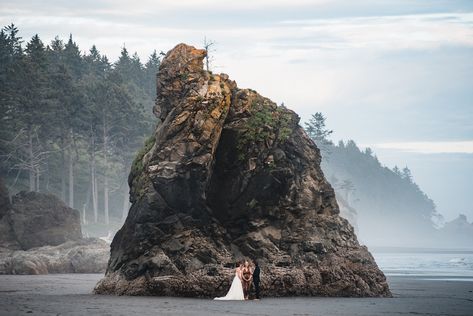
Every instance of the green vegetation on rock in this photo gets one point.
(138, 177)
(264, 124)
(137, 165)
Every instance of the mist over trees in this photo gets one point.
(391, 208)
(72, 121)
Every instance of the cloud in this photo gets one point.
(216, 5)
(370, 71)
(421, 31)
(272, 24)
(155, 8)
(457, 147)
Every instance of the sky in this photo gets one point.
(393, 75)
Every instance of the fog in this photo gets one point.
(383, 74)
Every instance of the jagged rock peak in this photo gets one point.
(229, 174)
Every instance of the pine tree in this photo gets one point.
(14, 41)
(406, 174)
(151, 71)
(316, 128)
(68, 102)
(72, 57)
(4, 67)
(96, 64)
(29, 110)
(123, 66)
(397, 171)
(317, 131)
(347, 187)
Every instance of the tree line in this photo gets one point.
(382, 196)
(73, 121)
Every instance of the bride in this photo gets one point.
(235, 293)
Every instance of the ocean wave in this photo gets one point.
(426, 263)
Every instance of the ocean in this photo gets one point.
(435, 264)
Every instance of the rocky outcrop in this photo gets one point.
(228, 174)
(38, 219)
(39, 234)
(81, 256)
(457, 233)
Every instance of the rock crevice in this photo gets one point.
(229, 174)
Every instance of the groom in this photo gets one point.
(256, 279)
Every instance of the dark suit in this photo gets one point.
(256, 280)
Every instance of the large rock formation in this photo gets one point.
(228, 174)
(88, 255)
(39, 234)
(38, 219)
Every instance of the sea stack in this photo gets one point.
(228, 174)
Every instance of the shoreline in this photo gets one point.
(418, 250)
(71, 294)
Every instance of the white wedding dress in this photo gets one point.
(235, 293)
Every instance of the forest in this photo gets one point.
(73, 121)
(391, 208)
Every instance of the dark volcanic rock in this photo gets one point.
(229, 174)
(38, 219)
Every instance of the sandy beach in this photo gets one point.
(70, 294)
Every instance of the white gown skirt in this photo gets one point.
(235, 293)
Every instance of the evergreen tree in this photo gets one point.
(406, 174)
(318, 132)
(73, 58)
(397, 171)
(348, 188)
(96, 64)
(124, 66)
(368, 151)
(68, 103)
(316, 129)
(151, 70)
(14, 41)
(29, 112)
(4, 65)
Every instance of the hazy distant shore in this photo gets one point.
(70, 294)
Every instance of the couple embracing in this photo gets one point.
(245, 274)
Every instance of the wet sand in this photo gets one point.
(70, 294)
